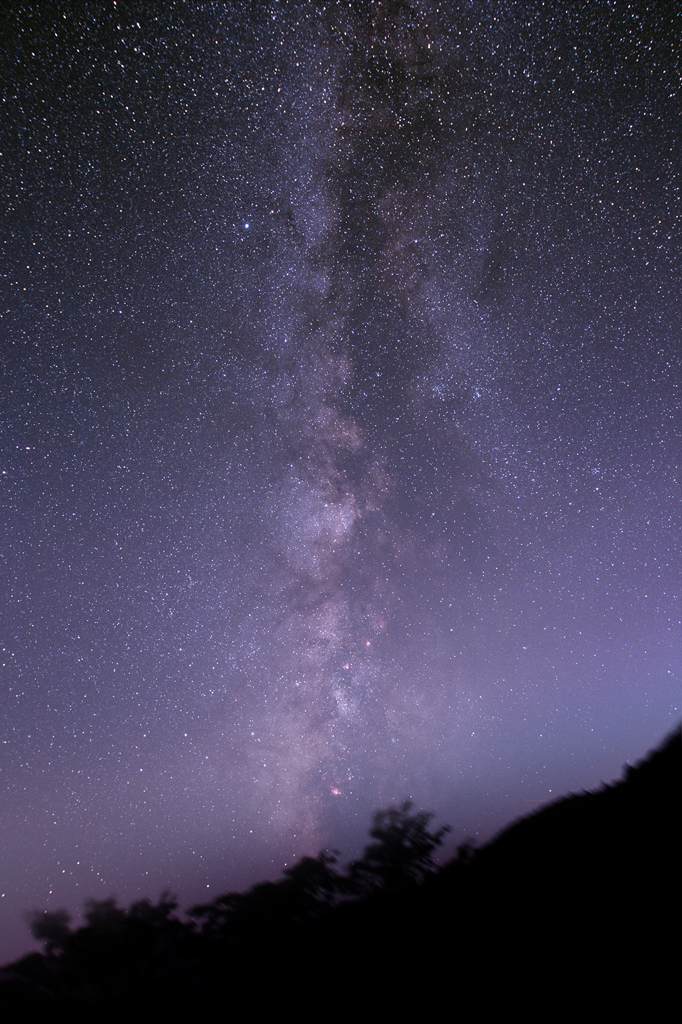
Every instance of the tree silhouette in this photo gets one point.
(548, 885)
(104, 916)
(155, 915)
(315, 880)
(50, 927)
(402, 853)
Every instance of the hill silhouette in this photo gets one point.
(569, 910)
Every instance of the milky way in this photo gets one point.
(340, 426)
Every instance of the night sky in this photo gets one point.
(339, 431)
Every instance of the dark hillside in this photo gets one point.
(580, 896)
(568, 908)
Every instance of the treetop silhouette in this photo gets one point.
(402, 851)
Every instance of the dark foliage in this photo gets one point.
(401, 854)
(570, 905)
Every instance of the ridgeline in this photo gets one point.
(574, 908)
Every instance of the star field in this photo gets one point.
(340, 430)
